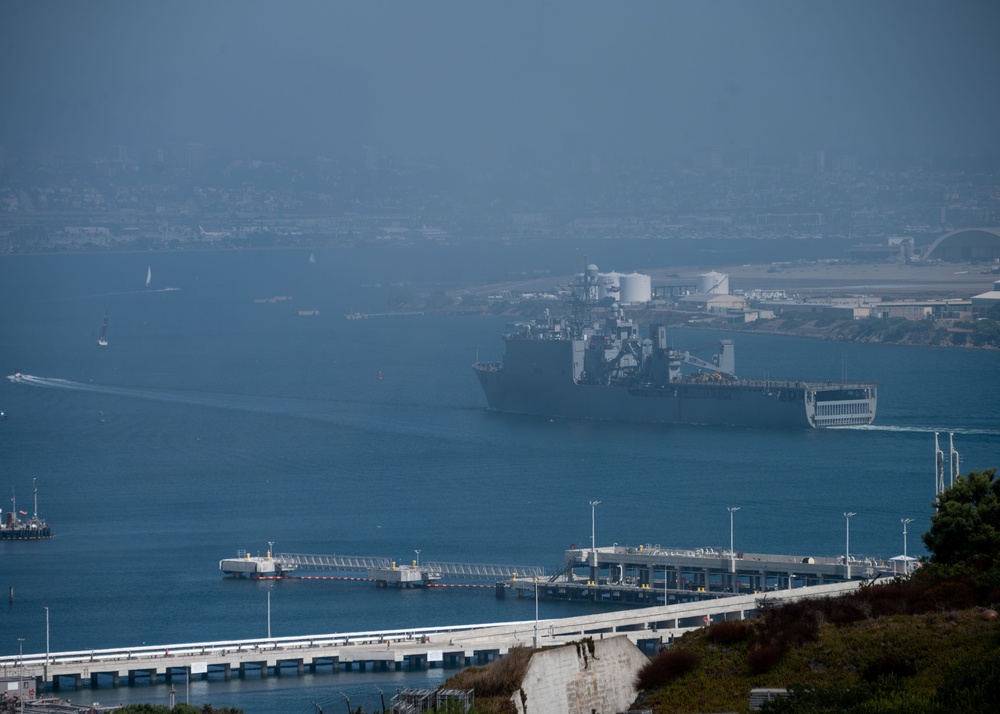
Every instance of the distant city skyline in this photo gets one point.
(484, 84)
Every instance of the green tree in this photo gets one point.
(965, 530)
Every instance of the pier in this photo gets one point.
(650, 574)
(642, 575)
(380, 570)
(418, 648)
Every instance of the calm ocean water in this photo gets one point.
(228, 424)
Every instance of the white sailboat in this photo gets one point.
(149, 275)
(312, 257)
(103, 340)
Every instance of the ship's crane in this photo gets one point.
(722, 363)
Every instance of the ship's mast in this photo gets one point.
(35, 489)
(584, 299)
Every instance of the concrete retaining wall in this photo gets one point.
(573, 680)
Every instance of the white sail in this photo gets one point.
(149, 275)
(103, 340)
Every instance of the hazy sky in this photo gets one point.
(480, 79)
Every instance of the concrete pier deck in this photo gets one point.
(418, 648)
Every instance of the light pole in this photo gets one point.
(906, 563)
(536, 613)
(593, 546)
(847, 549)
(732, 552)
(47, 641)
(417, 551)
(593, 505)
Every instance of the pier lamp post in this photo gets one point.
(906, 563)
(847, 548)
(417, 551)
(47, 641)
(732, 552)
(593, 505)
(594, 572)
(20, 651)
(536, 612)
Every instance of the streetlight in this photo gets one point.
(47, 640)
(847, 549)
(593, 505)
(536, 612)
(732, 552)
(906, 563)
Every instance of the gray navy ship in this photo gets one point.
(581, 369)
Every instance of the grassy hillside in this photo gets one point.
(893, 648)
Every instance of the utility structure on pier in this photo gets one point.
(952, 466)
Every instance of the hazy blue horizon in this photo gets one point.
(480, 83)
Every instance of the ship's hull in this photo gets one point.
(740, 403)
(547, 375)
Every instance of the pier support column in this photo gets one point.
(227, 672)
(152, 677)
(77, 681)
(94, 681)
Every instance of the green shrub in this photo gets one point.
(667, 666)
(764, 655)
(727, 633)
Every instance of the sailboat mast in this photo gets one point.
(35, 488)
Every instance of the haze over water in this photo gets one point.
(228, 424)
(211, 424)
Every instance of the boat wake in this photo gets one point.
(921, 429)
(206, 399)
(146, 291)
(345, 414)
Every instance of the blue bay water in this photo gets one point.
(228, 424)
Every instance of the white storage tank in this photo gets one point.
(713, 283)
(636, 288)
(608, 285)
